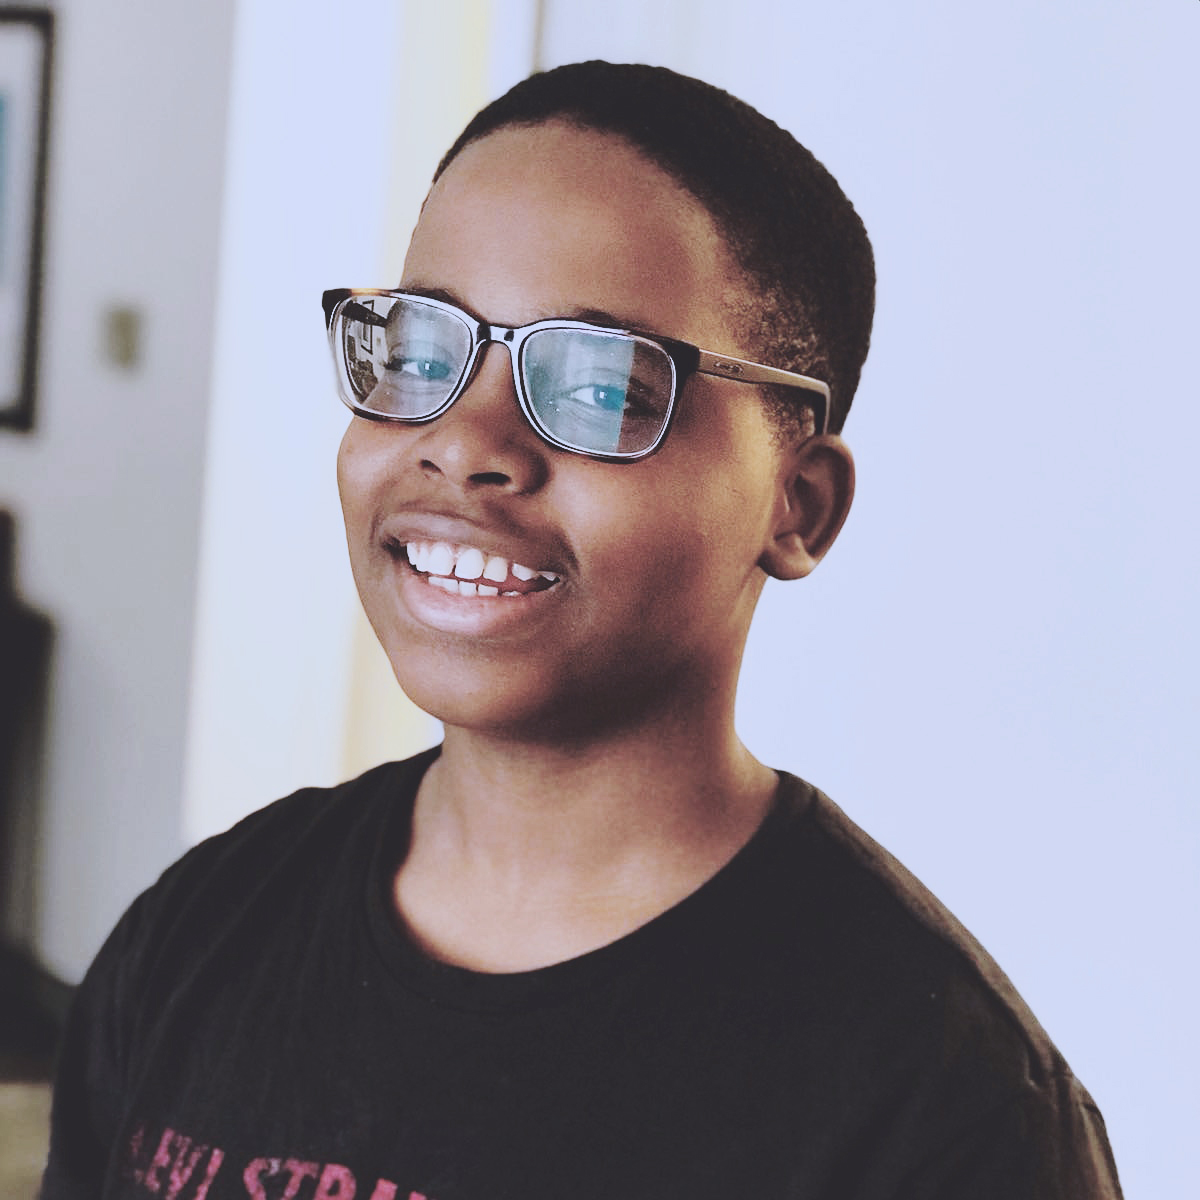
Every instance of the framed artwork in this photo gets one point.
(26, 35)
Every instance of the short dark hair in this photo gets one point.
(788, 224)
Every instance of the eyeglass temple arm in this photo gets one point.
(749, 372)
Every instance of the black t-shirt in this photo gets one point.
(810, 1024)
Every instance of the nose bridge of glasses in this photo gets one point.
(500, 335)
(485, 336)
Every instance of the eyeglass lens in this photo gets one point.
(597, 392)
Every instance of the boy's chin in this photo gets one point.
(494, 700)
(527, 704)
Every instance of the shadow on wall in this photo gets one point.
(32, 1003)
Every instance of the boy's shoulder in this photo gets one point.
(310, 823)
(914, 1015)
(880, 933)
(290, 847)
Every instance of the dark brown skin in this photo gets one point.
(590, 776)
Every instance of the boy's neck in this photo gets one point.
(556, 851)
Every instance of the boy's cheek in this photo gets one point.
(366, 460)
(350, 463)
(345, 471)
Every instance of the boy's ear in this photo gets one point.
(816, 483)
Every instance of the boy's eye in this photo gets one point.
(412, 361)
(419, 367)
(598, 415)
(600, 396)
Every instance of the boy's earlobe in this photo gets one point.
(816, 489)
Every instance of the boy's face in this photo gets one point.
(655, 565)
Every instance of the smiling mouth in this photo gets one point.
(469, 571)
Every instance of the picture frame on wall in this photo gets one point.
(26, 37)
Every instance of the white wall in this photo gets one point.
(107, 488)
(306, 190)
(995, 670)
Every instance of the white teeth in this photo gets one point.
(441, 560)
(457, 570)
(469, 564)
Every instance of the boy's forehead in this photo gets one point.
(564, 151)
(544, 220)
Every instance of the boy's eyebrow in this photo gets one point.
(435, 293)
(594, 316)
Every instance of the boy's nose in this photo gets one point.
(484, 440)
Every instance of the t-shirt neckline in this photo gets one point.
(460, 987)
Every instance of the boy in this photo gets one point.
(589, 948)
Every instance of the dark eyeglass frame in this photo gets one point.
(686, 360)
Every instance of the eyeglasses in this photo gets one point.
(606, 393)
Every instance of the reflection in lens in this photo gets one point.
(360, 327)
